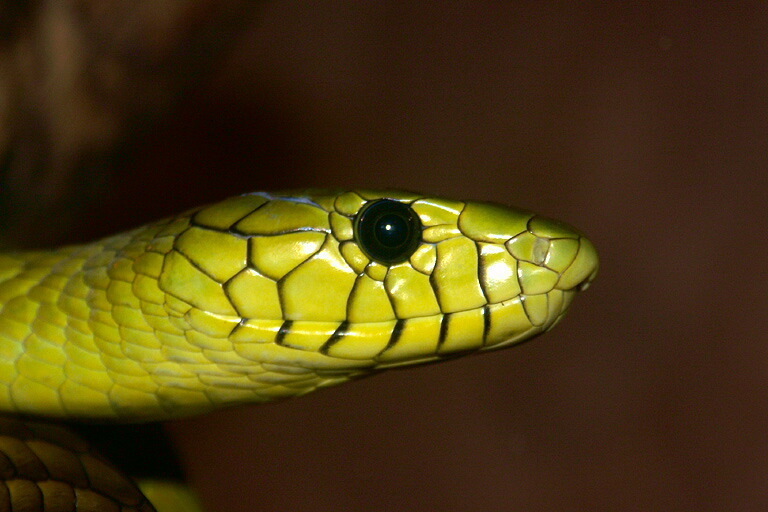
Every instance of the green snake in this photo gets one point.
(261, 297)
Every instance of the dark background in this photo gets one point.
(644, 125)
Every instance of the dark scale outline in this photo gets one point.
(225, 290)
(458, 221)
(525, 311)
(337, 336)
(250, 249)
(189, 259)
(386, 289)
(304, 197)
(249, 262)
(486, 323)
(224, 287)
(392, 301)
(351, 220)
(481, 273)
(343, 192)
(279, 233)
(436, 288)
(397, 331)
(240, 325)
(231, 229)
(225, 284)
(444, 329)
(410, 263)
(534, 325)
(548, 295)
(352, 294)
(578, 249)
(344, 326)
(305, 200)
(529, 231)
(281, 282)
(284, 330)
(196, 266)
(434, 285)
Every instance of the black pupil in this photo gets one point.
(391, 230)
(387, 231)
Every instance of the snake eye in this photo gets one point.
(387, 231)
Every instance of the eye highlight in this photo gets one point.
(387, 231)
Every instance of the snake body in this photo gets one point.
(265, 296)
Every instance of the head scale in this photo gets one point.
(319, 287)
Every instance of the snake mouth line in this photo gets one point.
(419, 339)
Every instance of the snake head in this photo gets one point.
(291, 291)
(338, 284)
(266, 296)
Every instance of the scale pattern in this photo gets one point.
(266, 296)
(45, 468)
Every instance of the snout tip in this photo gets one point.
(580, 274)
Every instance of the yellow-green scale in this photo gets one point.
(89, 332)
(257, 298)
(262, 297)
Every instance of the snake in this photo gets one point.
(257, 298)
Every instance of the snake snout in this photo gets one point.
(580, 274)
(565, 251)
(583, 285)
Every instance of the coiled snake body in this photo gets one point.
(257, 298)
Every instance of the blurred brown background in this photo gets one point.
(642, 124)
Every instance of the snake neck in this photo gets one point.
(87, 331)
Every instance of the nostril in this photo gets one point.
(587, 281)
